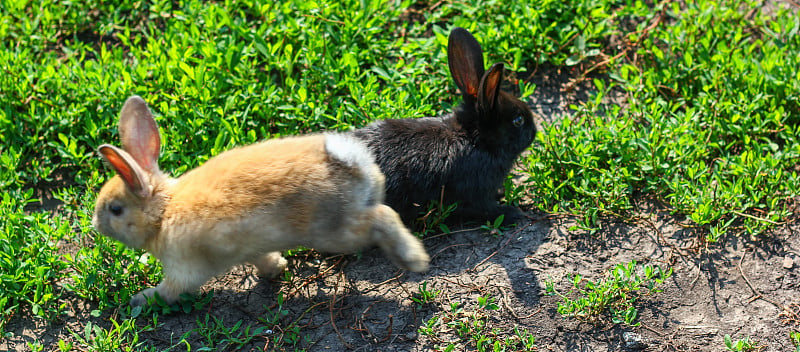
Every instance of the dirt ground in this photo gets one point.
(363, 303)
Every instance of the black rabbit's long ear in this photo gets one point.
(489, 89)
(465, 58)
(139, 133)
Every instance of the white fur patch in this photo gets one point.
(349, 151)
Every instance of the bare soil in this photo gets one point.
(363, 303)
(746, 288)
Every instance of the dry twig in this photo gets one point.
(756, 292)
(508, 240)
(333, 320)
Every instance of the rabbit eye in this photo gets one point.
(518, 121)
(115, 209)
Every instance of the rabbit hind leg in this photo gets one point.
(396, 241)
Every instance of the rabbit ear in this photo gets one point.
(465, 58)
(490, 87)
(139, 133)
(127, 168)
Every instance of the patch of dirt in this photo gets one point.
(44, 192)
(363, 303)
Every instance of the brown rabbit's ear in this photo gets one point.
(139, 133)
(490, 87)
(127, 168)
(465, 58)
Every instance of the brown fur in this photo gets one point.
(246, 178)
(246, 205)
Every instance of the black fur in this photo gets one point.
(464, 156)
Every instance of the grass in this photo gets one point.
(425, 295)
(744, 344)
(30, 261)
(460, 328)
(708, 125)
(612, 298)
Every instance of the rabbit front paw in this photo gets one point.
(140, 299)
(161, 292)
(270, 265)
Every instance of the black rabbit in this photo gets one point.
(463, 156)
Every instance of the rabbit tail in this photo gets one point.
(379, 224)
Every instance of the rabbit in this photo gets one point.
(321, 191)
(462, 157)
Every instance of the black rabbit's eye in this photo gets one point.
(115, 209)
(518, 121)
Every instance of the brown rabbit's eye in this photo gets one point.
(518, 121)
(115, 209)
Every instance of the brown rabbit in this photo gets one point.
(321, 191)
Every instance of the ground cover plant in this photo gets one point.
(672, 142)
(612, 296)
(709, 127)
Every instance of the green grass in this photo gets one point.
(473, 329)
(29, 260)
(744, 344)
(612, 298)
(709, 124)
(425, 295)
